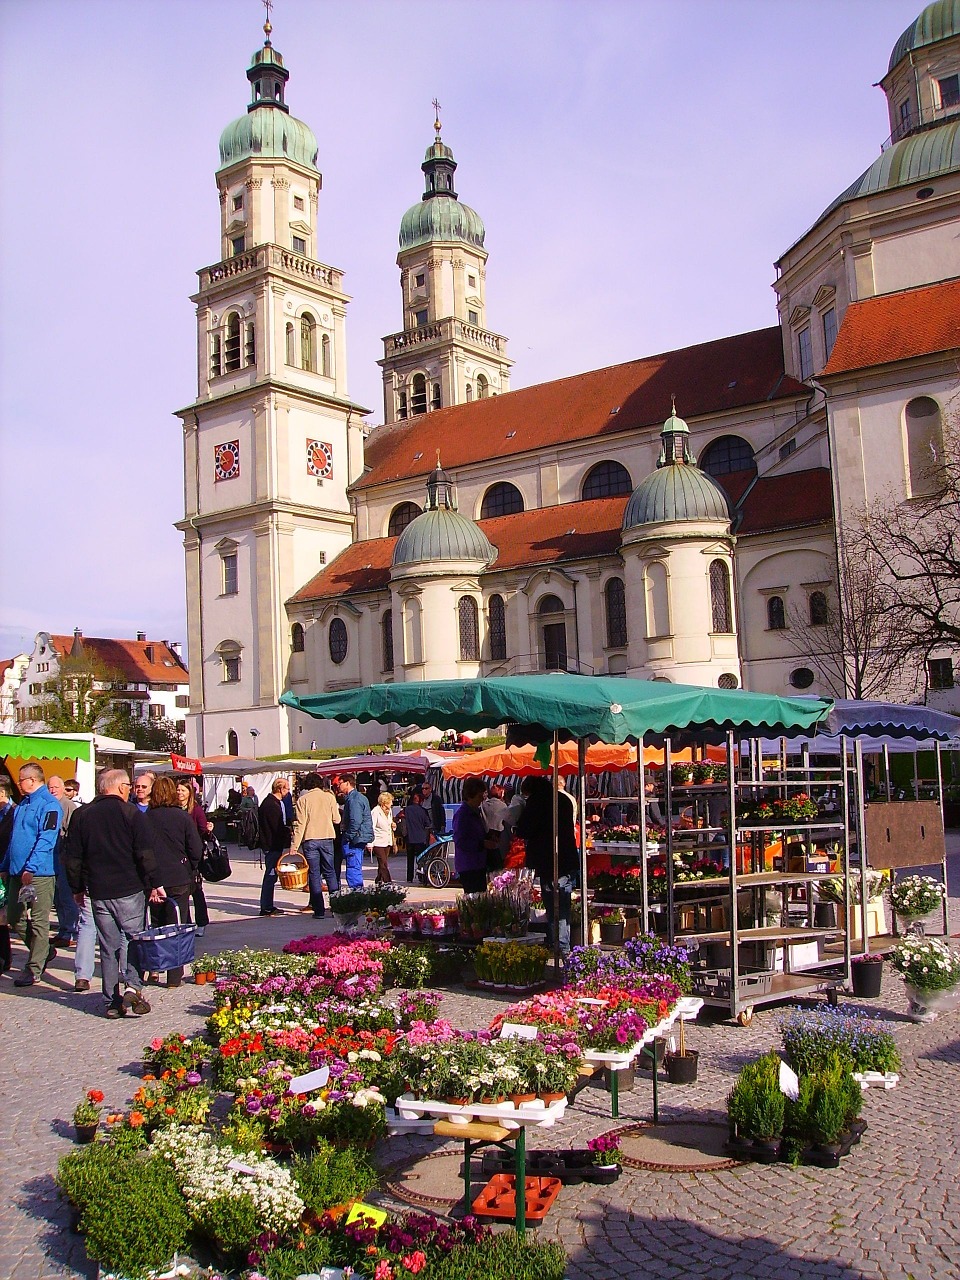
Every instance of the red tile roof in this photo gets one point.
(787, 501)
(574, 531)
(130, 657)
(728, 373)
(898, 326)
(5, 666)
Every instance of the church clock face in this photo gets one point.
(227, 460)
(319, 459)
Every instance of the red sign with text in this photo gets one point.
(183, 764)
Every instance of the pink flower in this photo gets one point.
(384, 1270)
(415, 1262)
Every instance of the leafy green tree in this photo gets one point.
(81, 698)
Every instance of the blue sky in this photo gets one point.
(639, 166)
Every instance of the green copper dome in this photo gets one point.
(678, 490)
(938, 21)
(441, 532)
(268, 131)
(440, 215)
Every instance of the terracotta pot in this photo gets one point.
(551, 1097)
(211, 975)
(456, 1102)
(521, 1099)
(200, 979)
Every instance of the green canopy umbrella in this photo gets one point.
(601, 708)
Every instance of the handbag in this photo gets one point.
(215, 862)
(166, 947)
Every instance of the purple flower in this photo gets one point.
(193, 1077)
(253, 1106)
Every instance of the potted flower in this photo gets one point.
(931, 973)
(866, 972)
(702, 772)
(612, 922)
(86, 1116)
(682, 1065)
(681, 775)
(914, 897)
(204, 970)
(607, 1157)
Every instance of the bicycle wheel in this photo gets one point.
(438, 873)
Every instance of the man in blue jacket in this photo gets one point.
(357, 829)
(30, 865)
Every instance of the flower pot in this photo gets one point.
(605, 1174)
(866, 976)
(547, 1098)
(200, 979)
(211, 975)
(521, 1099)
(682, 1067)
(925, 1005)
(86, 1132)
(611, 933)
(825, 915)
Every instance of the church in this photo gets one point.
(679, 517)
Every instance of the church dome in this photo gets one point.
(441, 532)
(678, 490)
(268, 134)
(440, 218)
(938, 21)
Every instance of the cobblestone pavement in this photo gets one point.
(890, 1212)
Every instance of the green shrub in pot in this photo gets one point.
(755, 1105)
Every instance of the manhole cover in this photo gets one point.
(427, 1183)
(676, 1145)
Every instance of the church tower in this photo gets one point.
(444, 354)
(272, 440)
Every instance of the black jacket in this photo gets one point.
(535, 825)
(274, 832)
(108, 851)
(176, 845)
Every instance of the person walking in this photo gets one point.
(67, 914)
(470, 838)
(357, 826)
(536, 827)
(194, 809)
(109, 859)
(177, 847)
(7, 809)
(30, 866)
(274, 841)
(315, 818)
(434, 806)
(417, 828)
(383, 832)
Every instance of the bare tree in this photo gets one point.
(81, 697)
(855, 645)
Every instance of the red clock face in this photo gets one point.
(227, 460)
(319, 459)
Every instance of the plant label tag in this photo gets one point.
(350, 982)
(789, 1082)
(517, 1031)
(312, 1080)
(239, 1167)
(590, 1000)
(361, 1210)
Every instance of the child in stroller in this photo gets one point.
(433, 865)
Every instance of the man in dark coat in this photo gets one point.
(274, 841)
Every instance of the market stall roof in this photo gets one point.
(521, 762)
(59, 746)
(602, 708)
(240, 766)
(891, 720)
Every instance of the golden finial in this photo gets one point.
(267, 26)
(439, 468)
(436, 122)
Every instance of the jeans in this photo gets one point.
(320, 867)
(85, 956)
(68, 913)
(270, 860)
(117, 919)
(31, 923)
(565, 885)
(353, 864)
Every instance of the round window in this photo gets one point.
(728, 681)
(338, 640)
(801, 677)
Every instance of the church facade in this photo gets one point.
(676, 518)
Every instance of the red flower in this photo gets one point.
(94, 1095)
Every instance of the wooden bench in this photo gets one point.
(476, 1134)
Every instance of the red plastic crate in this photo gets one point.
(498, 1199)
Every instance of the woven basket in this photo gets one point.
(293, 871)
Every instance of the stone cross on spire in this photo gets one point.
(436, 107)
(267, 26)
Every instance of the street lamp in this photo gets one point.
(254, 734)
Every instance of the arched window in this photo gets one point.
(325, 365)
(400, 517)
(728, 454)
(615, 607)
(720, 596)
(297, 638)
(606, 480)
(924, 446)
(469, 622)
(819, 610)
(553, 634)
(233, 743)
(403, 405)
(386, 640)
(419, 401)
(728, 681)
(289, 354)
(483, 387)
(498, 629)
(232, 349)
(216, 356)
(501, 500)
(337, 640)
(413, 631)
(776, 614)
(308, 344)
(656, 600)
(435, 396)
(469, 392)
(250, 346)
(229, 652)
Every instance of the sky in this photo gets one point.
(639, 166)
